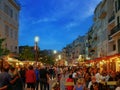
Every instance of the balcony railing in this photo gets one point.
(115, 29)
(15, 3)
(111, 18)
(109, 37)
(103, 14)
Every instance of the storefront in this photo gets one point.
(108, 63)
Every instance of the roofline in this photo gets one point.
(15, 4)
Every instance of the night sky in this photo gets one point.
(56, 22)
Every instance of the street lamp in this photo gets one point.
(36, 48)
(54, 51)
(59, 57)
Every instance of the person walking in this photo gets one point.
(37, 77)
(70, 80)
(44, 78)
(30, 78)
(22, 74)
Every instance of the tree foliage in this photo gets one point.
(27, 54)
(46, 58)
(2, 50)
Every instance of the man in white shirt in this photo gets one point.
(74, 76)
(98, 76)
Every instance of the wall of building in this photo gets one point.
(9, 24)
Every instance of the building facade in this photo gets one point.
(114, 27)
(73, 51)
(103, 37)
(9, 24)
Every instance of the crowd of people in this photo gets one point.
(68, 78)
(26, 78)
(89, 78)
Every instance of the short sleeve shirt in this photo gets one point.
(5, 79)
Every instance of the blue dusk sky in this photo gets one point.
(56, 22)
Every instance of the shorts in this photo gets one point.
(30, 85)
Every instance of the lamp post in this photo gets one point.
(36, 48)
(54, 56)
(54, 51)
(59, 57)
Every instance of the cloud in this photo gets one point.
(44, 20)
(56, 19)
(71, 25)
(89, 8)
(74, 9)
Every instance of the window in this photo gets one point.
(114, 47)
(115, 6)
(16, 16)
(118, 4)
(6, 31)
(118, 20)
(15, 47)
(11, 13)
(11, 33)
(8, 10)
(11, 47)
(6, 45)
(16, 35)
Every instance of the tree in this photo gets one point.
(2, 50)
(44, 57)
(27, 54)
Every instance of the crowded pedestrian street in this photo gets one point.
(59, 44)
(58, 78)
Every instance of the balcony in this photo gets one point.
(89, 37)
(15, 3)
(89, 46)
(94, 18)
(111, 18)
(109, 37)
(115, 30)
(103, 14)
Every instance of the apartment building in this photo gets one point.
(100, 26)
(9, 24)
(114, 27)
(104, 35)
(67, 54)
(73, 51)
